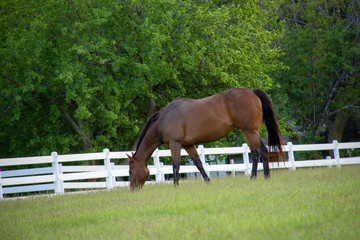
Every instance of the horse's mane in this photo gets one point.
(152, 119)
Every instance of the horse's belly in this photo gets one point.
(206, 133)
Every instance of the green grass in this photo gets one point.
(314, 203)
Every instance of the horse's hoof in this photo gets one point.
(267, 176)
(253, 177)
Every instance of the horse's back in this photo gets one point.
(193, 121)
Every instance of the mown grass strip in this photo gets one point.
(314, 203)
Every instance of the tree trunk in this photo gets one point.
(78, 128)
(336, 129)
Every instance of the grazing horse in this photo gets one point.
(185, 122)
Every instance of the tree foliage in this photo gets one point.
(321, 46)
(84, 75)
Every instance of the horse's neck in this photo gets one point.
(148, 146)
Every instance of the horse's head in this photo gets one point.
(138, 172)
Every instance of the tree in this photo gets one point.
(322, 50)
(82, 75)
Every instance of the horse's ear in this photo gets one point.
(130, 158)
(132, 154)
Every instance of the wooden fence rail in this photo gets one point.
(58, 178)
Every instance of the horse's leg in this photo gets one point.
(255, 159)
(191, 150)
(254, 142)
(175, 149)
(264, 158)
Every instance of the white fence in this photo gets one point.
(59, 178)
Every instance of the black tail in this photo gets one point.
(274, 134)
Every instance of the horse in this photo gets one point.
(185, 122)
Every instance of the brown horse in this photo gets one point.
(186, 122)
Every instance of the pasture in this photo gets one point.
(310, 203)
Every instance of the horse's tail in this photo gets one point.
(274, 133)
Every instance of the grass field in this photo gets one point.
(314, 203)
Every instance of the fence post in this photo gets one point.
(1, 189)
(157, 166)
(246, 159)
(232, 162)
(62, 189)
(109, 182)
(336, 153)
(291, 156)
(56, 172)
(113, 179)
(329, 158)
(162, 175)
(202, 158)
